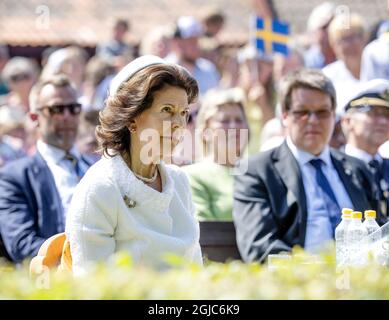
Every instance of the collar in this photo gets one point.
(136, 190)
(304, 157)
(361, 154)
(54, 154)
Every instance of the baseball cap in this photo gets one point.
(321, 15)
(188, 27)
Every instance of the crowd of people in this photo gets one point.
(309, 133)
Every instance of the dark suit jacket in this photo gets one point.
(270, 210)
(30, 208)
(386, 169)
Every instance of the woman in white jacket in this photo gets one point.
(131, 200)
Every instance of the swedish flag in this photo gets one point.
(271, 36)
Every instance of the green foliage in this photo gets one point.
(302, 277)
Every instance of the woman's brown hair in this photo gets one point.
(135, 96)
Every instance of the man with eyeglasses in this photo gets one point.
(366, 124)
(293, 194)
(35, 192)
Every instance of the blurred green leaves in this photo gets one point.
(302, 277)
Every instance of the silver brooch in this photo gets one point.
(129, 202)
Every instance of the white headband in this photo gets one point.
(129, 70)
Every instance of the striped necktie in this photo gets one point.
(75, 163)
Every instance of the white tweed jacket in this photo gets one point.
(100, 223)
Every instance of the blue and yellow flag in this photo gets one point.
(271, 36)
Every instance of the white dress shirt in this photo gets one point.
(319, 230)
(63, 171)
(361, 154)
(375, 59)
(101, 223)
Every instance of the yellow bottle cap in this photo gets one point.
(346, 212)
(370, 214)
(356, 215)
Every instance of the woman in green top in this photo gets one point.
(222, 130)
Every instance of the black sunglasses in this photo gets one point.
(73, 108)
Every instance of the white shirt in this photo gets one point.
(65, 176)
(346, 85)
(99, 222)
(361, 154)
(375, 60)
(319, 230)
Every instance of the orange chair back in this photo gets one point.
(54, 253)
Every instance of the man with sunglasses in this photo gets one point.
(293, 194)
(366, 124)
(35, 192)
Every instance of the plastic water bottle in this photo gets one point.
(342, 251)
(372, 226)
(374, 233)
(356, 236)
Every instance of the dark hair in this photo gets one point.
(57, 80)
(122, 22)
(214, 18)
(135, 96)
(304, 78)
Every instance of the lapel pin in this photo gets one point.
(129, 202)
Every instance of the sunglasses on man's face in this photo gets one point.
(59, 109)
(20, 77)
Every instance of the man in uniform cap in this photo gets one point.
(366, 124)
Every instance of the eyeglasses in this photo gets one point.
(20, 77)
(303, 115)
(59, 109)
